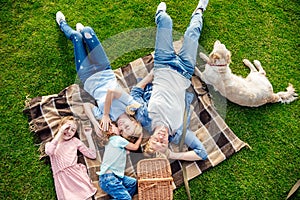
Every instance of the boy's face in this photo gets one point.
(114, 129)
(126, 127)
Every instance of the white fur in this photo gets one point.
(253, 91)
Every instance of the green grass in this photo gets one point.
(36, 59)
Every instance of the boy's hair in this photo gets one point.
(43, 143)
(106, 135)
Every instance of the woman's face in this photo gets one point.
(126, 127)
(70, 130)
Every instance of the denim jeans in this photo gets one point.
(116, 187)
(165, 56)
(90, 56)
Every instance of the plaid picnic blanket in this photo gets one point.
(45, 112)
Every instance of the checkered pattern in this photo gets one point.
(220, 142)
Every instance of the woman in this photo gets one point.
(98, 78)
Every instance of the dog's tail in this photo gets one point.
(288, 96)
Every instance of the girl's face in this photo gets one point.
(126, 127)
(70, 130)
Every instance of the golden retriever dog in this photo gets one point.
(253, 91)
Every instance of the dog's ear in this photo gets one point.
(228, 57)
(217, 42)
(204, 57)
(214, 56)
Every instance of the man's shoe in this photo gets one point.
(161, 7)
(202, 4)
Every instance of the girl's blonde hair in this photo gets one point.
(62, 122)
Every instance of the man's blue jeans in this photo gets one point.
(116, 187)
(87, 62)
(165, 56)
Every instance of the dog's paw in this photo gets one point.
(246, 62)
(257, 63)
(204, 57)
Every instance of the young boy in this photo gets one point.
(111, 176)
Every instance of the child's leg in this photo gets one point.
(113, 186)
(130, 184)
(97, 54)
(79, 48)
(164, 50)
(188, 52)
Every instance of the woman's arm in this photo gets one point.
(88, 108)
(110, 96)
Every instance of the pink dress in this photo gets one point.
(70, 178)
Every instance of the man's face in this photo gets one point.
(159, 140)
(161, 135)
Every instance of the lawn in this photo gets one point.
(36, 59)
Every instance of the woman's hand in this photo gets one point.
(105, 123)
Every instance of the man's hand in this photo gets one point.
(159, 147)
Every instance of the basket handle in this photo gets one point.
(155, 179)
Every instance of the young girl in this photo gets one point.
(111, 177)
(70, 178)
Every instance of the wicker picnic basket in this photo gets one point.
(154, 179)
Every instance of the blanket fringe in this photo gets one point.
(248, 146)
(27, 101)
(32, 127)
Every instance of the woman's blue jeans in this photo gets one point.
(116, 187)
(165, 56)
(90, 56)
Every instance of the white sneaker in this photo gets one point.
(60, 17)
(79, 27)
(161, 7)
(202, 4)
